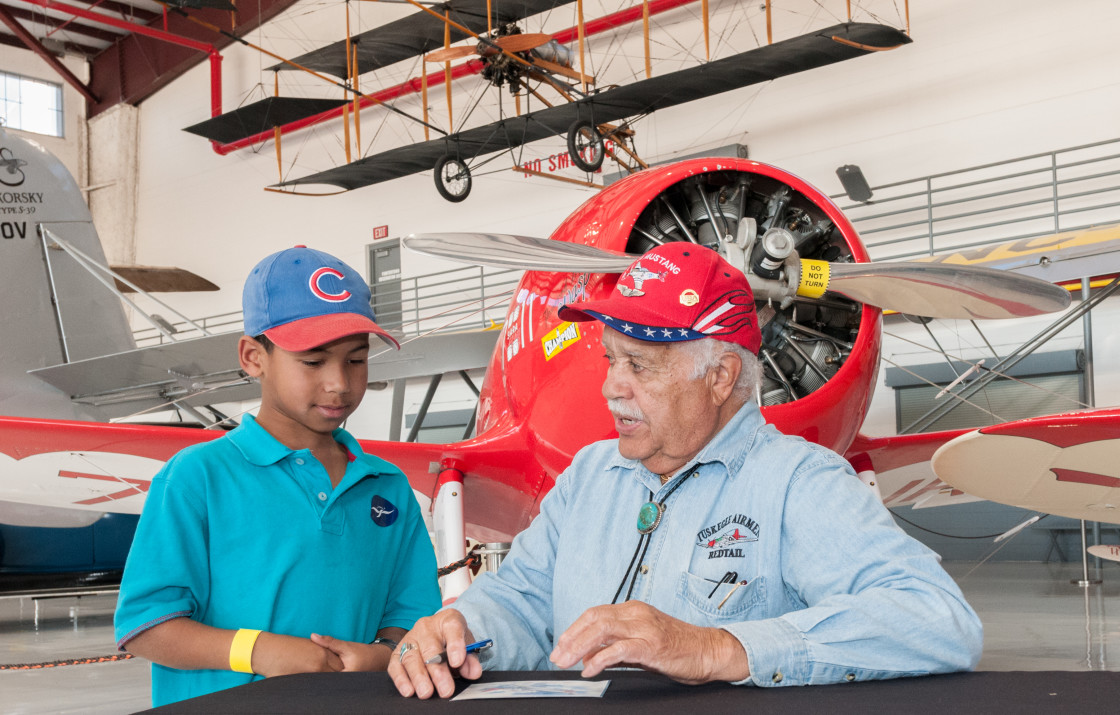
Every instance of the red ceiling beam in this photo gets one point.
(127, 12)
(37, 47)
(71, 47)
(123, 25)
(95, 33)
(147, 59)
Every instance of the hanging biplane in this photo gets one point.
(596, 121)
(820, 309)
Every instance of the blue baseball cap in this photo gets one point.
(301, 298)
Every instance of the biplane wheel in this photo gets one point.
(585, 145)
(453, 178)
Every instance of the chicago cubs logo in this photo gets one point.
(322, 293)
(382, 511)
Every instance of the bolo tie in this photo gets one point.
(649, 517)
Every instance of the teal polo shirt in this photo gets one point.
(243, 532)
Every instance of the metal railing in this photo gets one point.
(1017, 199)
(465, 298)
(182, 330)
(1022, 198)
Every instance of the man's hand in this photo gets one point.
(275, 654)
(446, 630)
(637, 634)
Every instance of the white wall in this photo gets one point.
(71, 147)
(982, 82)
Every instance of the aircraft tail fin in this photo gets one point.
(56, 309)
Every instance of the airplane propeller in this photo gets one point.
(509, 43)
(929, 290)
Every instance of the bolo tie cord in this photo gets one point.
(644, 539)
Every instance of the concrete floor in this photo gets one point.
(1034, 619)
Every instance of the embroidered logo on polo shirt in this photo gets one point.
(723, 538)
(382, 511)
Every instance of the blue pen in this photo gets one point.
(472, 648)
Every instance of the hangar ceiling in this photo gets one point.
(135, 47)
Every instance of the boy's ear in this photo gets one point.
(251, 355)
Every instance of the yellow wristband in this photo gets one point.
(241, 650)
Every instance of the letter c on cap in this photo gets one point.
(317, 276)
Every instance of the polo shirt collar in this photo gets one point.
(256, 444)
(260, 448)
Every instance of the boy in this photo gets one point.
(252, 545)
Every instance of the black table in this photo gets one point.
(645, 693)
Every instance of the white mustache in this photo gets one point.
(622, 409)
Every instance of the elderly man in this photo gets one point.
(702, 543)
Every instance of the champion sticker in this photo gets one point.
(560, 338)
(382, 511)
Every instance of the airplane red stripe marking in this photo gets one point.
(140, 484)
(1066, 434)
(113, 497)
(1072, 475)
(934, 484)
(902, 491)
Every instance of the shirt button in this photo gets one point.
(777, 677)
(850, 677)
(645, 569)
(322, 496)
(299, 461)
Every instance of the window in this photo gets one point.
(31, 105)
(1044, 383)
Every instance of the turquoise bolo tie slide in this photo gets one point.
(649, 516)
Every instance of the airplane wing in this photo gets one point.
(417, 34)
(54, 467)
(816, 49)
(1058, 464)
(159, 279)
(902, 469)
(85, 466)
(204, 371)
(261, 116)
(1056, 258)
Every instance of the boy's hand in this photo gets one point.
(276, 654)
(354, 656)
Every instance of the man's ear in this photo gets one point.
(251, 355)
(724, 377)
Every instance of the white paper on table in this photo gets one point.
(535, 689)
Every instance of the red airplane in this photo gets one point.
(820, 310)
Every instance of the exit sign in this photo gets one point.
(380, 232)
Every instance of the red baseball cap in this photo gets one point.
(677, 291)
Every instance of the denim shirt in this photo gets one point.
(770, 538)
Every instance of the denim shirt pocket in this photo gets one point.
(722, 603)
